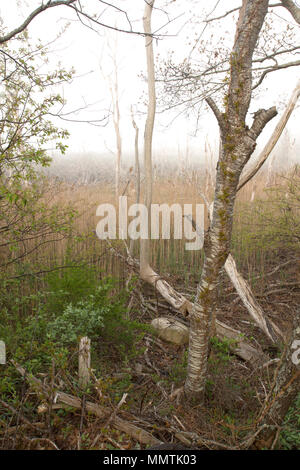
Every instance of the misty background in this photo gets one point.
(180, 142)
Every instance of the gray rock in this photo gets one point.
(171, 330)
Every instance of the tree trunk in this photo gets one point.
(137, 171)
(238, 144)
(116, 119)
(84, 362)
(145, 269)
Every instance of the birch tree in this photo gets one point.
(145, 268)
(112, 79)
(237, 145)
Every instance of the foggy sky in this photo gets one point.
(87, 51)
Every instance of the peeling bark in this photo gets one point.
(239, 346)
(137, 171)
(243, 289)
(254, 309)
(145, 268)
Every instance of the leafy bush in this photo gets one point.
(80, 305)
(74, 303)
(84, 319)
(222, 347)
(69, 286)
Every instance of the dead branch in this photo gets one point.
(102, 412)
(36, 12)
(243, 289)
(248, 175)
(275, 269)
(295, 63)
(236, 9)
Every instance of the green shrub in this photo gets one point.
(222, 347)
(83, 319)
(74, 304)
(101, 315)
(69, 286)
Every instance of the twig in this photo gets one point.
(114, 413)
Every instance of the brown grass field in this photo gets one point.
(266, 249)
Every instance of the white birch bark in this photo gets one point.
(238, 143)
(145, 269)
(243, 289)
(137, 170)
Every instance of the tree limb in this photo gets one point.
(273, 69)
(273, 139)
(254, 309)
(127, 427)
(261, 118)
(211, 103)
(292, 8)
(236, 9)
(32, 15)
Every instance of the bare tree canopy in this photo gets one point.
(43, 7)
(81, 13)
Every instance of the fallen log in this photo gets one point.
(172, 330)
(239, 346)
(243, 289)
(132, 430)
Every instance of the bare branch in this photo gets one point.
(292, 8)
(273, 69)
(236, 9)
(32, 15)
(275, 54)
(82, 13)
(261, 118)
(222, 16)
(274, 138)
(215, 110)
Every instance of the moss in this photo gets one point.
(236, 105)
(222, 236)
(222, 214)
(229, 147)
(224, 197)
